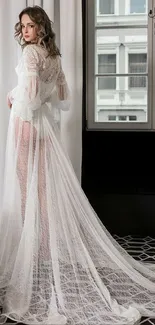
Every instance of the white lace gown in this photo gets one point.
(58, 263)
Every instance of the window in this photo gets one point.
(137, 6)
(122, 118)
(112, 117)
(106, 7)
(137, 64)
(133, 118)
(120, 72)
(107, 64)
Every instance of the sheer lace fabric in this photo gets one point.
(58, 263)
(40, 80)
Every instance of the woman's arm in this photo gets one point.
(27, 93)
(29, 82)
(10, 96)
(63, 92)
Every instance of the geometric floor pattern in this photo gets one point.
(141, 249)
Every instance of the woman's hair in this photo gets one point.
(45, 33)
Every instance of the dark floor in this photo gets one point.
(142, 249)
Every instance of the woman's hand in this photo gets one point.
(9, 102)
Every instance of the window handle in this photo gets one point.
(150, 14)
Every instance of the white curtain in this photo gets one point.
(8, 59)
(71, 49)
(68, 27)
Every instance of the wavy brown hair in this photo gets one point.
(45, 33)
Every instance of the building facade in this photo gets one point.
(121, 48)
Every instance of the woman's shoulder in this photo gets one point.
(33, 53)
(35, 48)
(39, 51)
(32, 48)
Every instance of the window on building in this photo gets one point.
(112, 117)
(106, 7)
(122, 118)
(132, 118)
(137, 6)
(137, 64)
(107, 64)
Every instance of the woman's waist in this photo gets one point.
(28, 113)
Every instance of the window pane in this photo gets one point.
(122, 117)
(112, 117)
(107, 64)
(137, 6)
(133, 118)
(137, 64)
(107, 83)
(106, 7)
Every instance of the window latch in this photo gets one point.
(150, 14)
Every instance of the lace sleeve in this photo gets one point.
(28, 91)
(60, 97)
(62, 86)
(63, 92)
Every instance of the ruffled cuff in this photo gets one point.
(54, 100)
(63, 105)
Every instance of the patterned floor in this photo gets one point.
(140, 248)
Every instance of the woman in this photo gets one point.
(58, 264)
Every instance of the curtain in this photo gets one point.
(9, 51)
(68, 28)
(71, 49)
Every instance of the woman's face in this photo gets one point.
(29, 29)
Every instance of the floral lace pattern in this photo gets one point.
(40, 80)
